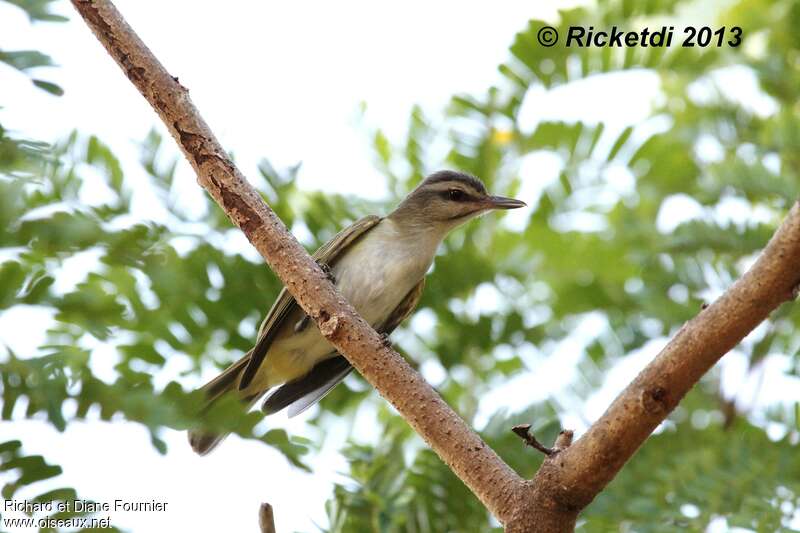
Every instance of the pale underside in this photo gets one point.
(378, 270)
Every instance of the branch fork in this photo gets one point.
(549, 503)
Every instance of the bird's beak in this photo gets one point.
(501, 202)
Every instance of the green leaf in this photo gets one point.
(620, 142)
(38, 10)
(50, 87)
(23, 60)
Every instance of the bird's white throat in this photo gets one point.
(379, 270)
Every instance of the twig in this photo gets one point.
(563, 440)
(266, 518)
(524, 432)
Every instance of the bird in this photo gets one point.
(379, 265)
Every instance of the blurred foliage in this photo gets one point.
(702, 474)
(610, 241)
(28, 60)
(600, 243)
(28, 470)
(139, 295)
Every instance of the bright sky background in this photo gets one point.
(277, 80)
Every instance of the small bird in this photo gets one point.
(379, 266)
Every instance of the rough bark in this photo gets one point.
(489, 478)
(571, 476)
(570, 479)
(587, 466)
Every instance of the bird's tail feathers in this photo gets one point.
(202, 442)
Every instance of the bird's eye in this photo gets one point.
(456, 195)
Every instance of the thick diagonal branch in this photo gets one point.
(568, 480)
(492, 481)
(567, 483)
(594, 460)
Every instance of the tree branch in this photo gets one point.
(567, 483)
(568, 480)
(266, 518)
(597, 456)
(475, 463)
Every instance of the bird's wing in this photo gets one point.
(328, 253)
(403, 309)
(304, 392)
(321, 379)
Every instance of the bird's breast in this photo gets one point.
(376, 274)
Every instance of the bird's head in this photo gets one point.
(447, 199)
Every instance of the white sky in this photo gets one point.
(278, 80)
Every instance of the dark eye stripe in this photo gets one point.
(455, 195)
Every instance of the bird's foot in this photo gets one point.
(303, 323)
(385, 340)
(328, 271)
